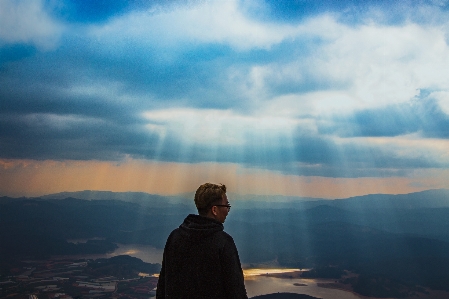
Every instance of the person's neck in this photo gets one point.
(209, 215)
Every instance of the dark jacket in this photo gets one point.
(200, 261)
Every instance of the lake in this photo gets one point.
(255, 284)
(260, 285)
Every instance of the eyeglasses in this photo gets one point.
(227, 206)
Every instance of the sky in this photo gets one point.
(327, 99)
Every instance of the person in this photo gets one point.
(200, 260)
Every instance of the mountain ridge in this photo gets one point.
(420, 199)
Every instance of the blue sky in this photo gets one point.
(348, 91)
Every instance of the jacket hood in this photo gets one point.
(197, 227)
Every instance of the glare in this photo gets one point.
(257, 272)
(223, 127)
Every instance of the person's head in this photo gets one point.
(211, 201)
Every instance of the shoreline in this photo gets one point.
(341, 287)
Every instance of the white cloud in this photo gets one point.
(443, 99)
(388, 64)
(220, 22)
(26, 21)
(356, 67)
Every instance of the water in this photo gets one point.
(260, 285)
(255, 284)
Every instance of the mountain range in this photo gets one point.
(396, 237)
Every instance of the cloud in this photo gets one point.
(70, 136)
(325, 63)
(26, 21)
(218, 82)
(221, 22)
(421, 115)
(358, 67)
(442, 97)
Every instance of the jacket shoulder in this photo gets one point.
(225, 238)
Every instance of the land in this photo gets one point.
(378, 245)
(117, 277)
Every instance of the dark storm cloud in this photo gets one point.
(42, 118)
(45, 82)
(421, 115)
(196, 74)
(18, 100)
(43, 86)
(43, 136)
(39, 87)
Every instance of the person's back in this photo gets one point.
(201, 260)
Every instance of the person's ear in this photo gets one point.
(214, 210)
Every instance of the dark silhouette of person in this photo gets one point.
(201, 260)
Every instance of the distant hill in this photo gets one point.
(243, 201)
(121, 266)
(137, 197)
(425, 199)
(437, 198)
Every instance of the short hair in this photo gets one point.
(206, 195)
